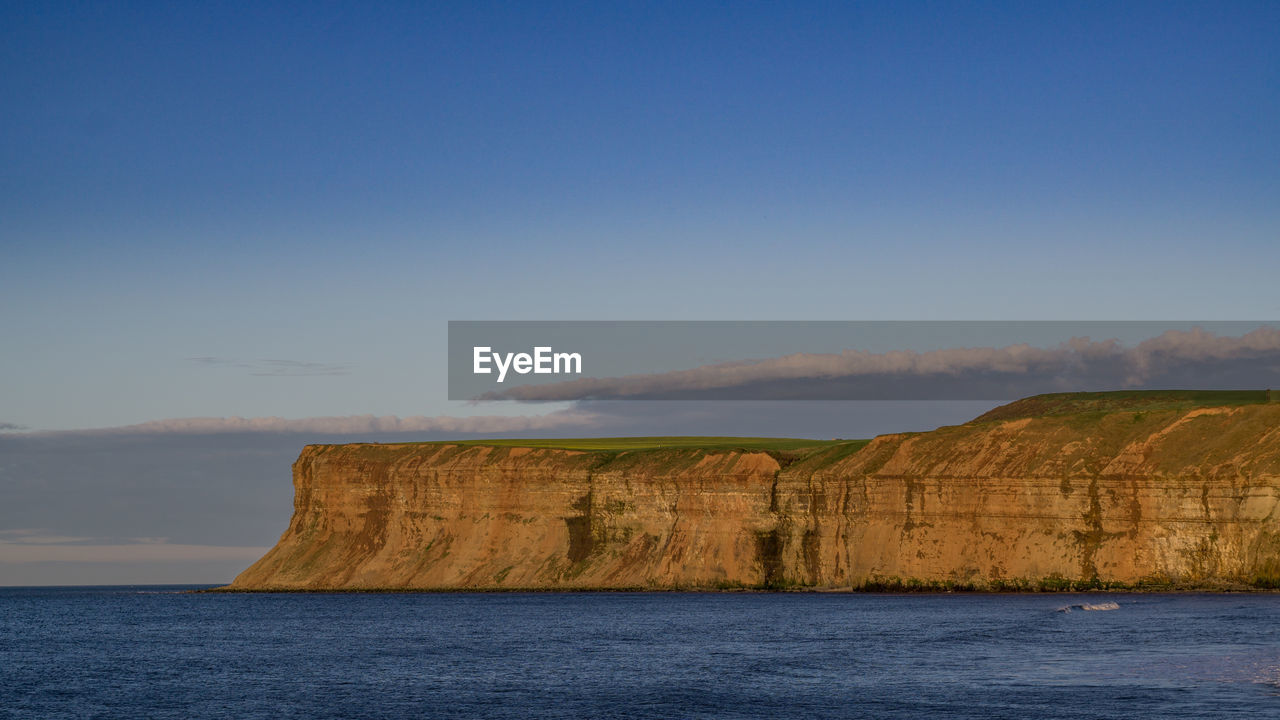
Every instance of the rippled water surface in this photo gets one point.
(164, 653)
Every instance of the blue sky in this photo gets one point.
(332, 183)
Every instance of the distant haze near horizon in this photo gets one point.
(216, 217)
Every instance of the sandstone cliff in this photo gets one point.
(1174, 495)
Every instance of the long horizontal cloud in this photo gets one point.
(131, 552)
(352, 424)
(275, 367)
(33, 545)
(1193, 358)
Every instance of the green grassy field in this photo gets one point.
(1053, 404)
(1121, 401)
(660, 443)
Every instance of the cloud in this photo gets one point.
(131, 553)
(5, 426)
(348, 424)
(1193, 358)
(275, 368)
(32, 545)
(33, 536)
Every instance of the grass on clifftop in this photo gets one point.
(1054, 404)
(1050, 405)
(658, 443)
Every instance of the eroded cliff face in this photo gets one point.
(1188, 497)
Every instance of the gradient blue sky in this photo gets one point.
(331, 183)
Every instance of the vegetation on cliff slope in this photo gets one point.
(1055, 404)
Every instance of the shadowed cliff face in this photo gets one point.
(1182, 496)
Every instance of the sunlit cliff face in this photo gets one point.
(1187, 497)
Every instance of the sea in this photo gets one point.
(167, 652)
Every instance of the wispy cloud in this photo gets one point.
(1173, 358)
(134, 553)
(349, 424)
(7, 427)
(36, 536)
(33, 545)
(275, 367)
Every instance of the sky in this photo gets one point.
(211, 210)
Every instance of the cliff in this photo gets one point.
(1028, 496)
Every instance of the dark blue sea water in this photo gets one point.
(160, 653)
